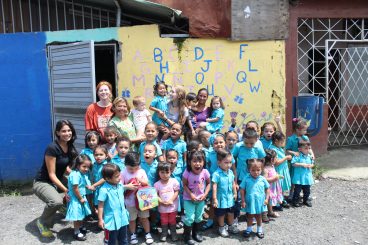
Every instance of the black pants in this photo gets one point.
(120, 235)
(298, 189)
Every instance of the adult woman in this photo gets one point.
(48, 182)
(200, 110)
(98, 114)
(121, 120)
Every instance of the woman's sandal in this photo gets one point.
(273, 215)
(207, 225)
(260, 235)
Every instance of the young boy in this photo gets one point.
(141, 116)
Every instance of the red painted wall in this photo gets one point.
(314, 9)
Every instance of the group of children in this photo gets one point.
(208, 174)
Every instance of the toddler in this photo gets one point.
(141, 116)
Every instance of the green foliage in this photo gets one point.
(179, 42)
(318, 171)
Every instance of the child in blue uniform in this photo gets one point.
(303, 177)
(217, 114)
(151, 133)
(224, 193)
(159, 104)
(174, 142)
(255, 193)
(267, 130)
(78, 207)
(112, 214)
(122, 147)
(102, 157)
(110, 135)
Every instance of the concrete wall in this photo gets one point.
(249, 76)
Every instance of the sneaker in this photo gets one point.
(80, 237)
(133, 238)
(236, 222)
(149, 239)
(45, 232)
(223, 232)
(233, 229)
(308, 203)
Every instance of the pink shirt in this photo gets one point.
(126, 178)
(196, 183)
(165, 192)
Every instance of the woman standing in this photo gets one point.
(200, 110)
(48, 184)
(98, 114)
(122, 122)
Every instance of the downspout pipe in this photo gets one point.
(118, 13)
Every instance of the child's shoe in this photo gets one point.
(173, 234)
(80, 236)
(196, 236)
(296, 204)
(265, 218)
(308, 203)
(260, 234)
(149, 239)
(233, 229)
(45, 232)
(164, 232)
(223, 232)
(284, 204)
(83, 230)
(133, 239)
(247, 233)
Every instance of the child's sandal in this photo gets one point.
(246, 233)
(260, 235)
(273, 215)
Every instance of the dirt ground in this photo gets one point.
(339, 216)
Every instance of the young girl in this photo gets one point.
(149, 163)
(112, 215)
(151, 133)
(267, 130)
(224, 193)
(196, 182)
(174, 142)
(281, 164)
(273, 178)
(216, 120)
(122, 148)
(78, 207)
(141, 116)
(91, 141)
(254, 190)
(159, 103)
(101, 155)
(133, 177)
(168, 191)
(111, 134)
(231, 139)
(303, 177)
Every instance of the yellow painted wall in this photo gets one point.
(249, 76)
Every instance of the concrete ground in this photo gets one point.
(346, 163)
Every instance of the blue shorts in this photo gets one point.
(222, 211)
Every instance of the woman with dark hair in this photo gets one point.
(200, 110)
(98, 114)
(48, 185)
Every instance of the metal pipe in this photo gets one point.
(30, 15)
(21, 14)
(12, 15)
(118, 13)
(3, 13)
(57, 15)
(40, 12)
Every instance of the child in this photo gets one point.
(246, 150)
(303, 177)
(149, 163)
(190, 99)
(203, 138)
(224, 193)
(231, 138)
(273, 178)
(111, 134)
(194, 145)
(141, 116)
(101, 155)
(196, 182)
(122, 147)
(254, 190)
(216, 120)
(159, 103)
(151, 133)
(174, 142)
(91, 141)
(168, 191)
(281, 164)
(78, 207)
(267, 130)
(133, 177)
(112, 215)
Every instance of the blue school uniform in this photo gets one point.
(161, 104)
(265, 143)
(293, 141)
(119, 162)
(97, 175)
(216, 126)
(181, 147)
(115, 213)
(255, 194)
(151, 171)
(243, 153)
(282, 169)
(76, 210)
(211, 160)
(225, 181)
(143, 144)
(89, 152)
(302, 176)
